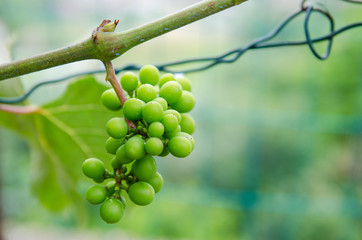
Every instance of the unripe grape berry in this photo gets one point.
(165, 152)
(173, 133)
(185, 103)
(189, 137)
(132, 109)
(129, 81)
(156, 129)
(166, 78)
(135, 147)
(99, 179)
(93, 168)
(154, 146)
(152, 112)
(171, 91)
(156, 182)
(149, 74)
(141, 193)
(169, 121)
(122, 156)
(112, 144)
(111, 183)
(117, 128)
(174, 112)
(96, 194)
(185, 83)
(116, 163)
(146, 92)
(111, 210)
(161, 101)
(123, 201)
(144, 168)
(110, 99)
(187, 123)
(180, 146)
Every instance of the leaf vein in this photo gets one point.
(68, 130)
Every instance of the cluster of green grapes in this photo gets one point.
(155, 123)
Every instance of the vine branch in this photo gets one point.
(107, 46)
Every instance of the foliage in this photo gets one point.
(62, 134)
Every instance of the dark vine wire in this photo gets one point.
(307, 35)
(353, 1)
(232, 55)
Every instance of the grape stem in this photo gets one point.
(124, 187)
(144, 123)
(112, 78)
(108, 174)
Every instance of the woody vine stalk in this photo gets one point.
(107, 46)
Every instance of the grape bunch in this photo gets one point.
(155, 122)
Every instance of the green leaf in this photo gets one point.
(20, 124)
(11, 88)
(63, 134)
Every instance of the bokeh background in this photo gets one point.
(278, 140)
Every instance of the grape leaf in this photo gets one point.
(20, 124)
(62, 134)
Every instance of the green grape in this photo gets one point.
(154, 146)
(99, 179)
(156, 129)
(189, 137)
(123, 201)
(111, 183)
(122, 156)
(141, 193)
(156, 182)
(149, 74)
(144, 168)
(165, 152)
(166, 78)
(174, 112)
(135, 147)
(173, 133)
(146, 92)
(132, 109)
(185, 103)
(110, 100)
(170, 122)
(117, 128)
(130, 180)
(116, 163)
(112, 144)
(180, 146)
(161, 101)
(187, 123)
(111, 210)
(93, 168)
(185, 83)
(110, 186)
(96, 194)
(152, 112)
(171, 91)
(129, 81)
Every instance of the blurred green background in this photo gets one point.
(278, 140)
